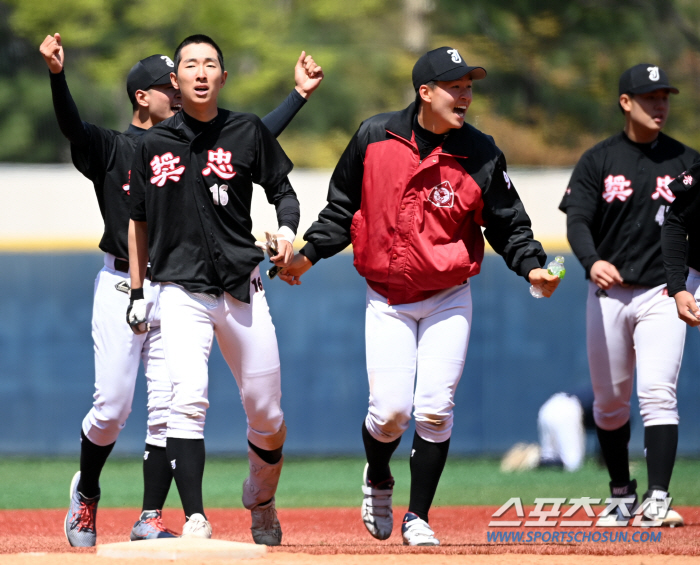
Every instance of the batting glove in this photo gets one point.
(136, 312)
(271, 247)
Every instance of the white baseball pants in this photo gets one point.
(560, 429)
(248, 342)
(423, 346)
(118, 352)
(634, 327)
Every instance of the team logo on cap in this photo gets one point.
(455, 55)
(653, 73)
(168, 60)
(442, 195)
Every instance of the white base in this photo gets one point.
(182, 548)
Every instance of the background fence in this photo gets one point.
(521, 351)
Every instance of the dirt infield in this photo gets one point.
(337, 536)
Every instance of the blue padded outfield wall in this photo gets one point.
(521, 351)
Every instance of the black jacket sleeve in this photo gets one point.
(580, 203)
(507, 226)
(277, 120)
(330, 234)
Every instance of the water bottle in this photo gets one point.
(555, 267)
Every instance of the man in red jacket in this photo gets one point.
(411, 192)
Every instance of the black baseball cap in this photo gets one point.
(443, 63)
(643, 78)
(151, 71)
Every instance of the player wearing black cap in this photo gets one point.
(616, 202)
(411, 192)
(192, 181)
(104, 156)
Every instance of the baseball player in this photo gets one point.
(562, 423)
(191, 184)
(411, 192)
(680, 245)
(616, 202)
(104, 156)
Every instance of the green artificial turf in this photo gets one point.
(317, 482)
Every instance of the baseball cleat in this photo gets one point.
(150, 526)
(618, 517)
(657, 512)
(415, 531)
(80, 525)
(197, 527)
(376, 506)
(672, 519)
(266, 527)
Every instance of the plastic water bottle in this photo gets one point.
(555, 267)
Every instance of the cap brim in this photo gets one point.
(653, 87)
(165, 79)
(477, 73)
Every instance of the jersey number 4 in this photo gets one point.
(661, 214)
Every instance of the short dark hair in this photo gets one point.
(196, 39)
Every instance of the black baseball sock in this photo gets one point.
(614, 445)
(427, 462)
(157, 477)
(92, 459)
(186, 457)
(660, 443)
(378, 456)
(271, 457)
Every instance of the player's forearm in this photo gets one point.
(673, 249)
(509, 232)
(287, 206)
(328, 235)
(277, 120)
(138, 252)
(66, 111)
(581, 240)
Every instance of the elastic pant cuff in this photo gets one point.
(268, 442)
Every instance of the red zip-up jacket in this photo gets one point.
(415, 225)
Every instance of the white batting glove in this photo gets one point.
(136, 312)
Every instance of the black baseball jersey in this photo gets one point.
(617, 200)
(193, 183)
(680, 234)
(104, 156)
